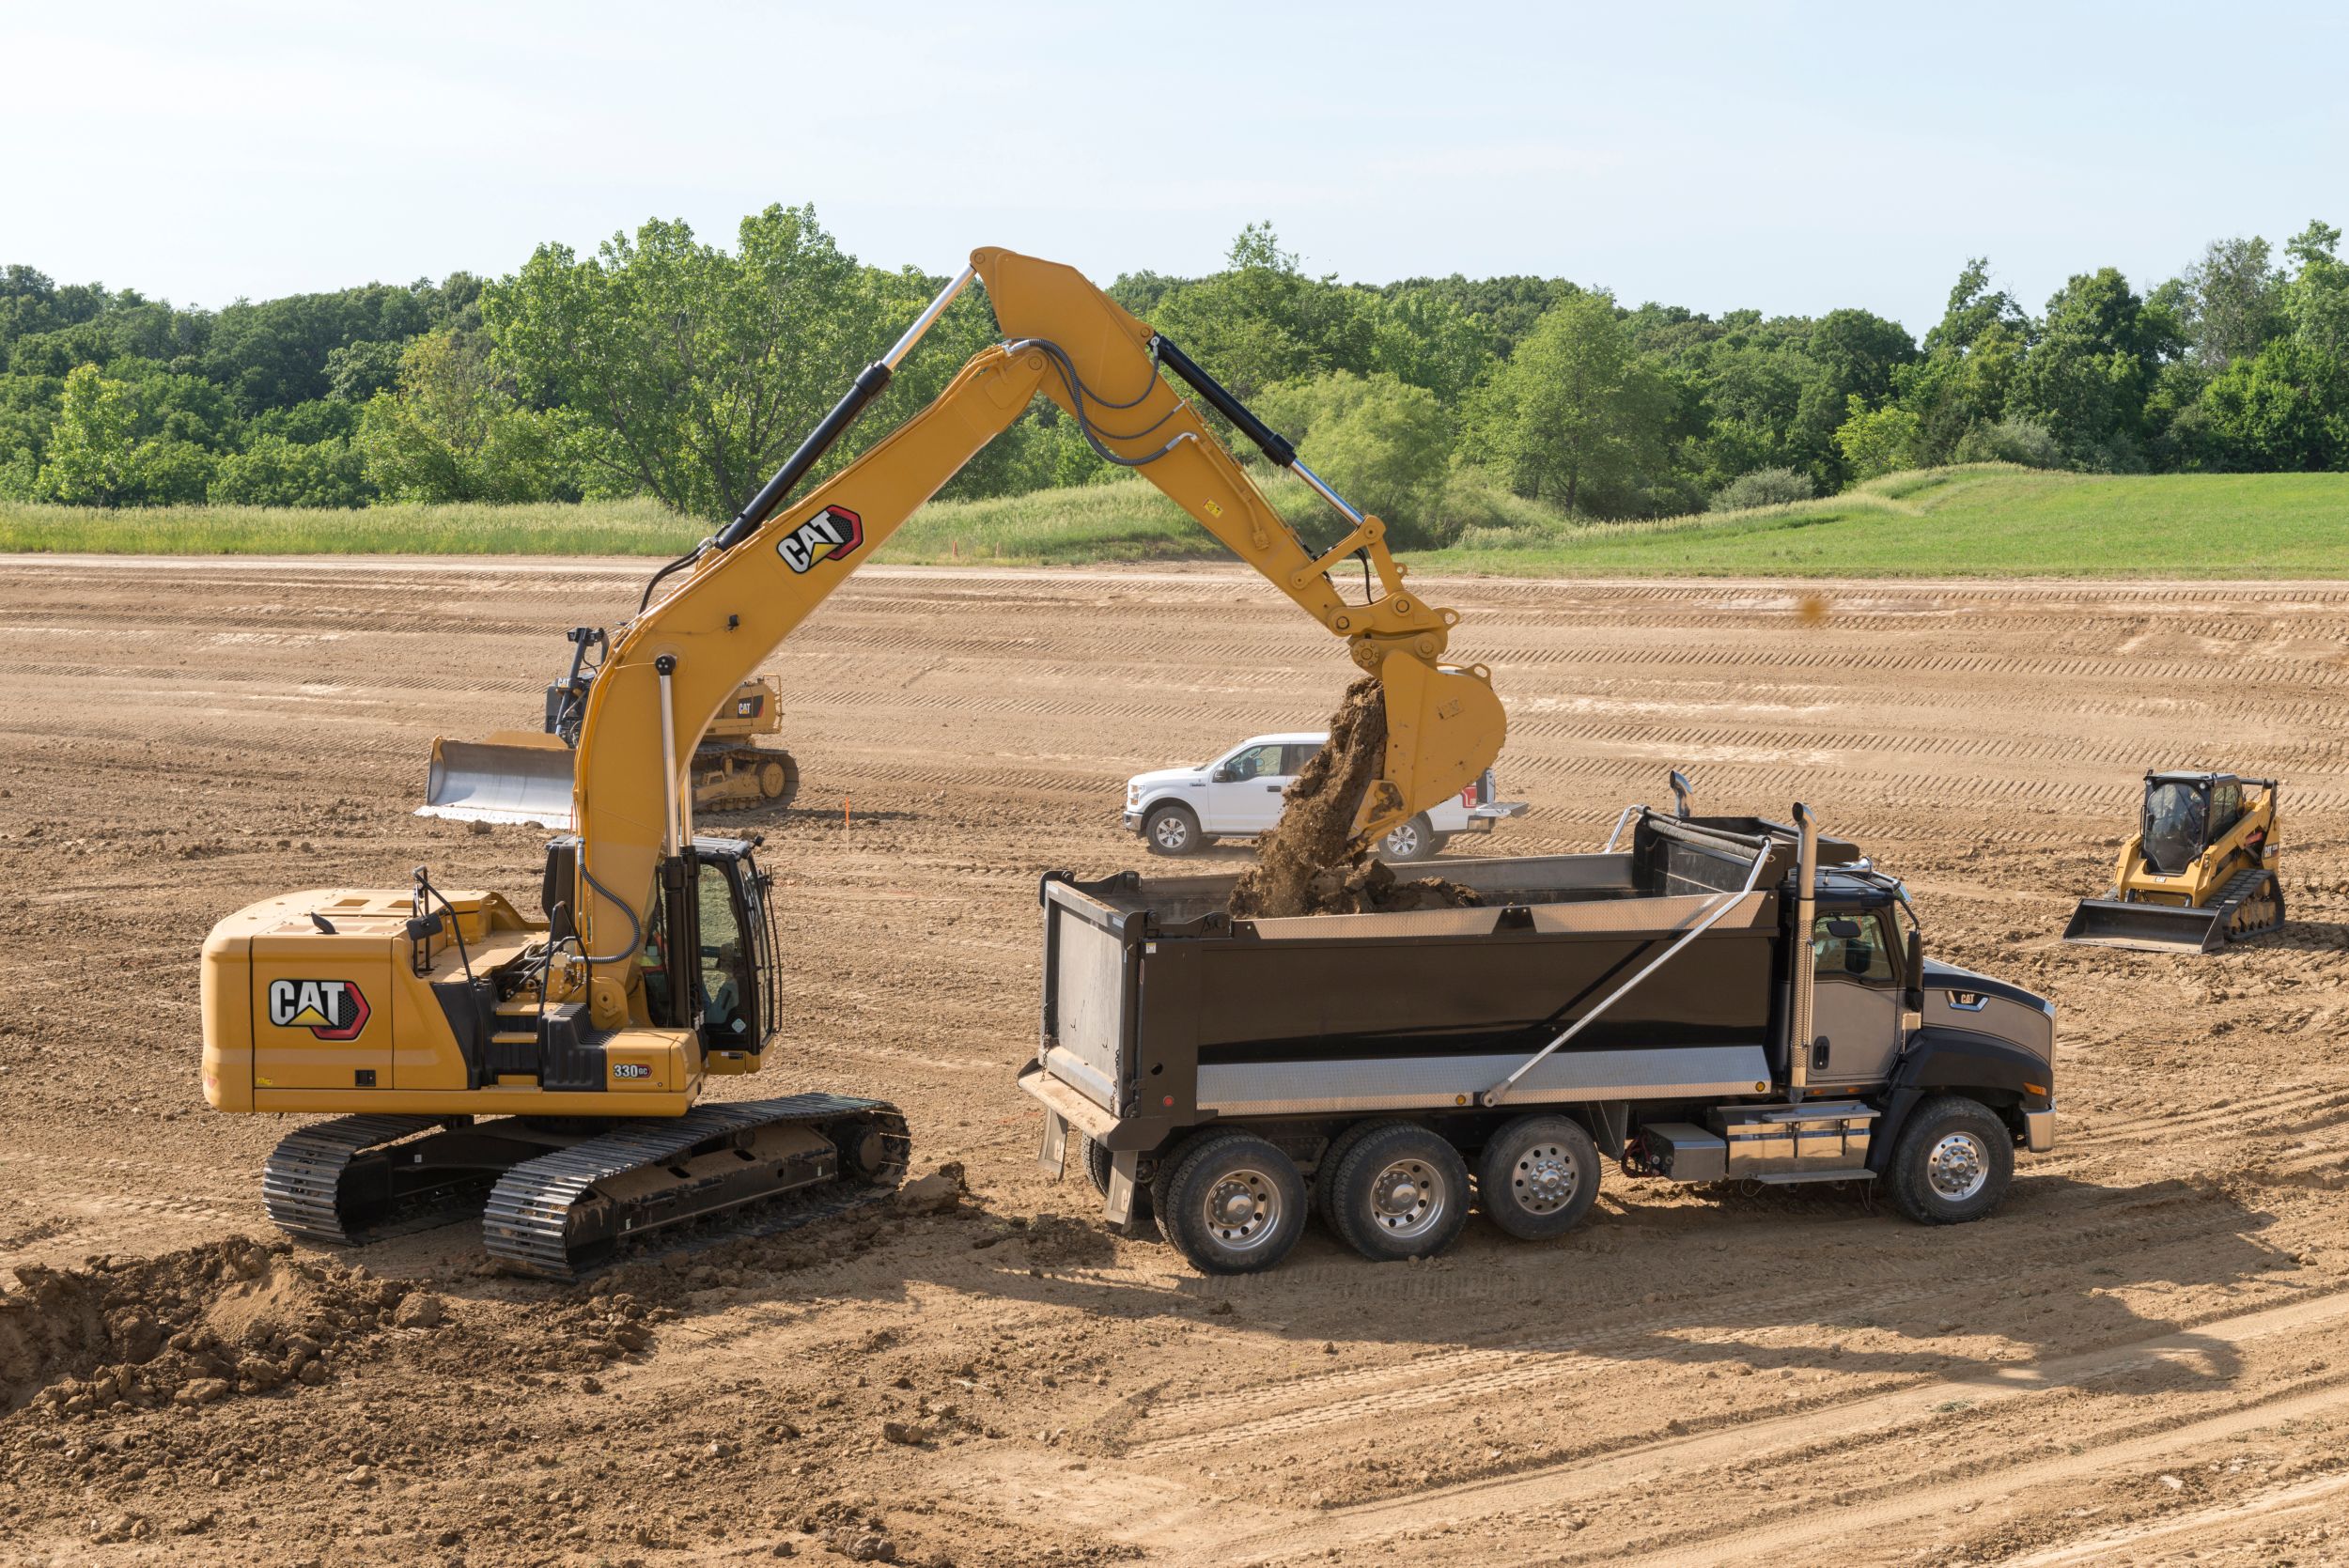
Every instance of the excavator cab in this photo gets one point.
(2199, 872)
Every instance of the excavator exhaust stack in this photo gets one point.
(514, 776)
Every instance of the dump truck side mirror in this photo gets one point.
(1913, 994)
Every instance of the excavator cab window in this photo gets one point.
(728, 991)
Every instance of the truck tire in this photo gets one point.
(1538, 1177)
(1951, 1162)
(1325, 1173)
(1406, 842)
(1232, 1204)
(1401, 1192)
(1173, 830)
(1139, 1226)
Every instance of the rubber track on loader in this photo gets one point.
(2239, 889)
(526, 1222)
(302, 1182)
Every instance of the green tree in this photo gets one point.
(2086, 377)
(2316, 301)
(684, 371)
(2232, 301)
(2285, 409)
(1878, 440)
(451, 433)
(274, 472)
(90, 460)
(1261, 320)
(1573, 416)
(1380, 442)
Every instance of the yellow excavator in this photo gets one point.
(2199, 872)
(548, 1071)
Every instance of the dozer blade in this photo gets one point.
(2147, 927)
(514, 776)
(1445, 727)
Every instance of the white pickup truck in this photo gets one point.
(1180, 811)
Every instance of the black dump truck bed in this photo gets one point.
(1161, 1011)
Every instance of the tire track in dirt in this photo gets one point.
(1679, 1460)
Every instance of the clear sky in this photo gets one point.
(1787, 157)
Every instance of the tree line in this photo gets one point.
(664, 365)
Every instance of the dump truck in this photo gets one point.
(2199, 872)
(1722, 1000)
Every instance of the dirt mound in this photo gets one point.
(188, 1329)
(1311, 863)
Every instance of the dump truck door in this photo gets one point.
(1855, 1007)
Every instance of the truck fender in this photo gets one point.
(2001, 1074)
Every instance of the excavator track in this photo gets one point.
(335, 1182)
(568, 1212)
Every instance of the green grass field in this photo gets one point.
(1979, 522)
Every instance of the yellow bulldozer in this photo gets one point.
(2199, 872)
(730, 770)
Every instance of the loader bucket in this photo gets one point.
(2146, 927)
(514, 776)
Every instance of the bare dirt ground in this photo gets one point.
(2143, 1356)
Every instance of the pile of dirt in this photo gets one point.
(1311, 863)
(188, 1330)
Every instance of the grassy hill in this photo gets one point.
(1979, 522)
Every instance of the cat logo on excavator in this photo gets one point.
(330, 1009)
(832, 535)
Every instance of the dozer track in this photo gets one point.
(735, 777)
(2251, 902)
(570, 1210)
(554, 1203)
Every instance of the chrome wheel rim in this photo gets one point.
(1543, 1179)
(1171, 831)
(1402, 842)
(1957, 1167)
(1407, 1199)
(1242, 1209)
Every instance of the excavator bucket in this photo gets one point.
(2147, 927)
(514, 776)
(1445, 727)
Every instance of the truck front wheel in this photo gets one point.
(1951, 1162)
(1401, 1192)
(1232, 1204)
(1539, 1177)
(1415, 840)
(1173, 831)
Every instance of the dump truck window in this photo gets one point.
(725, 985)
(1862, 957)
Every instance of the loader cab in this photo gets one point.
(708, 957)
(2184, 814)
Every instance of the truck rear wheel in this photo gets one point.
(1173, 831)
(1538, 1177)
(1232, 1204)
(1401, 1192)
(1951, 1162)
(1096, 1158)
(1325, 1173)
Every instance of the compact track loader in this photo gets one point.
(2199, 872)
(548, 1071)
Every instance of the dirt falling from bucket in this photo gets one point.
(1310, 862)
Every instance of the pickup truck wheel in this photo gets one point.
(1409, 841)
(1951, 1163)
(1401, 1192)
(1232, 1204)
(1173, 831)
(1538, 1177)
(1096, 1161)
